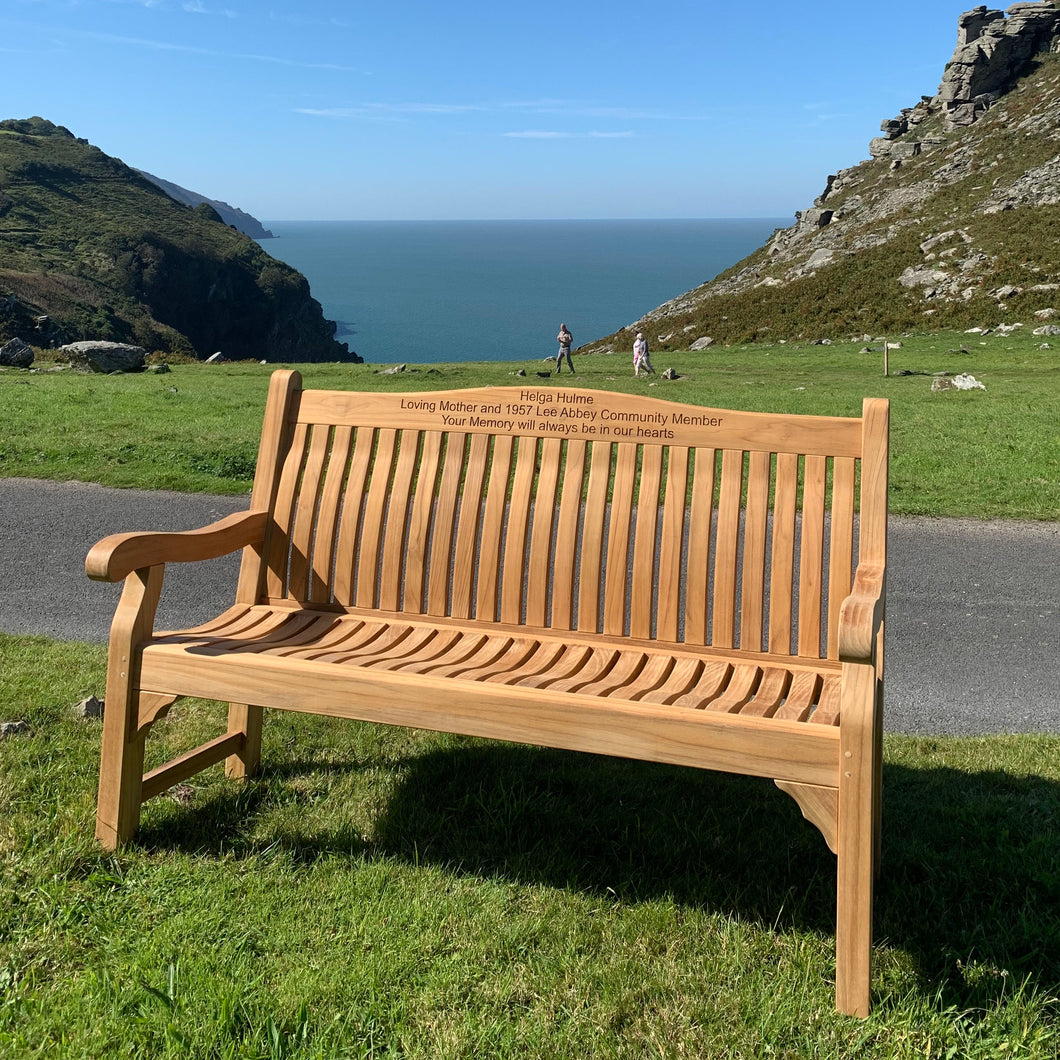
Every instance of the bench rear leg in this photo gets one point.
(246, 720)
(858, 836)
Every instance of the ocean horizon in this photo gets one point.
(425, 291)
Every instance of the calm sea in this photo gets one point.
(421, 291)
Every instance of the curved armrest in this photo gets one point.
(114, 557)
(861, 614)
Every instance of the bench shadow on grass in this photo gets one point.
(971, 862)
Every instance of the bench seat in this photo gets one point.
(746, 684)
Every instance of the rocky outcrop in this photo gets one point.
(993, 48)
(991, 51)
(914, 218)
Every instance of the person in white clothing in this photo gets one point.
(640, 356)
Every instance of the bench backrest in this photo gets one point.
(570, 509)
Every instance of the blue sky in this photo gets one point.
(318, 109)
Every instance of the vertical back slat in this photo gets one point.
(615, 595)
(696, 597)
(564, 563)
(328, 519)
(593, 538)
(467, 530)
(541, 534)
(396, 516)
(752, 585)
(811, 556)
(841, 546)
(492, 528)
(515, 536)
(372, 520)
(283, 513)
(350, 519)
(444, 519)
(285, 391)
(645, 542)
(305, 519)
(726, 547)
(782, 557)
(673, 529)
(420, 522)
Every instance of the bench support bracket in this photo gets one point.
(819, 805)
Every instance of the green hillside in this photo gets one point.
(103, 253)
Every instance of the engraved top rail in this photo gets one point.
(590, 415)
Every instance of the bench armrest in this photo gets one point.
(861, 614)
(116, 556)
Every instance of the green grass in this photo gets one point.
(386, 893)
(985, 454)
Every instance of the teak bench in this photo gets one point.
(562, 567)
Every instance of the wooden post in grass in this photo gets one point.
(886, 357)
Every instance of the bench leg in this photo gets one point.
(245, 720)
(121, 764)
(121, 770)
(858, 832)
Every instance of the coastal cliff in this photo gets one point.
(91, 249)
(231, 215)
(951, 223)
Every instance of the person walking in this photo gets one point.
(565, 338)
(640, 356)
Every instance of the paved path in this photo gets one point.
(973, 608)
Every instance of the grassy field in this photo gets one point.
(984, 454)
(386, 893)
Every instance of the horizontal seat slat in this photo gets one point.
(568, 662)
(514, 656)
(540, 661)
(469, 650)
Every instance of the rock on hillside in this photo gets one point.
(952, 222)
(90, 249)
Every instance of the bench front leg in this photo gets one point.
(857, 837)
(122, 753)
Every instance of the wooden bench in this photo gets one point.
(562, 567)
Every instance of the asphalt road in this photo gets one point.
(973, 609)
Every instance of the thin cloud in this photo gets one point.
(389, 110)
(538, 134)
(197, 7)
(139, 42)
(548, 134)
(299, 20)
(566, 108)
